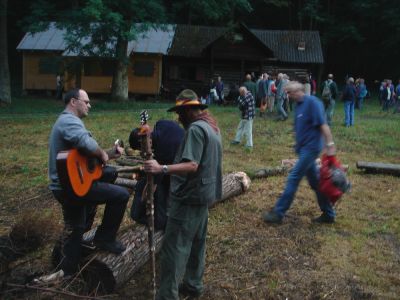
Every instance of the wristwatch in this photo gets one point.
(165, 169)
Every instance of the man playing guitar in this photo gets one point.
(69, 133)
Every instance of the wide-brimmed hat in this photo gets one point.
(187, 98)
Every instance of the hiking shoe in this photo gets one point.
(235, 142)
(272, 218)
(324, 218)
(115, 247)
(248, 149)
(188, 291)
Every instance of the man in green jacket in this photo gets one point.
(196, 180)
(250, 85)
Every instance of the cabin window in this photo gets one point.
(143, 68)
(49, 65)
(99, 68)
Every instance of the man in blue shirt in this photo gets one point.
(311, 130)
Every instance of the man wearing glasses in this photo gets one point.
(68, 133)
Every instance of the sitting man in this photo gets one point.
(68, 133)
(166, 138)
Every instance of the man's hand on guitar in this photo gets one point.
(104, 156)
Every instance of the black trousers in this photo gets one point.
(78, 216)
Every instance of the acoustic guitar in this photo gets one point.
(77, 172)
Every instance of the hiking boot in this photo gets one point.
(272, 217)
(115, 247)
(235, 142)
(324, 218)
(188, 291)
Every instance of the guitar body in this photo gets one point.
(77, 172)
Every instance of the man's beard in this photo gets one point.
(184, 120)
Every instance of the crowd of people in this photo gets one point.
(187, 167)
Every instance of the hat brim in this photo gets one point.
(176, 107)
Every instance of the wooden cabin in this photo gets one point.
(44, 56)
(201, 53)
(182, 56)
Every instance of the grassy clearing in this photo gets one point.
(356, 258)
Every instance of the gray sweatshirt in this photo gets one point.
(68, 132)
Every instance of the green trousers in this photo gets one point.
(183, 250)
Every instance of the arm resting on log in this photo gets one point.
(113, 271)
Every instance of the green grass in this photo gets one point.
(357, 258)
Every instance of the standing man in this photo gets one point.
(220, 90)
(247, 107)
(349, 98)
(262, 94)
(250, 86)
(59, 86)
(196, 180)
(310, 129)
(68, 133)
(166, 138)
(329, 93)
(281, 97)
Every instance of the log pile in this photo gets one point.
(111, 271)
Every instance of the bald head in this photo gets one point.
(242, 90)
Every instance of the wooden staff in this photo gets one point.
(148, 193)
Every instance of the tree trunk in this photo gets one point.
(119, 88)
(373, 167)
(110, 271)
(5, 89)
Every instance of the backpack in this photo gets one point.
(333, 180)
(326, 93)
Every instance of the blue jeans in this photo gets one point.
(281, 110)
(360, 102)
(349, 113)
(329, 111)
(305, 166)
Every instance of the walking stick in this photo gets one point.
(148, 192)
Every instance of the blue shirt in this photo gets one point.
(309, 116)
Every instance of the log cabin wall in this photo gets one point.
(40, 70)
(145, 73)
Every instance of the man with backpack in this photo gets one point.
(328, 95)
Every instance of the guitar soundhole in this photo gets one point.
(91, 165)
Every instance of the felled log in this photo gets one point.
(127, 175)
(273, 171)
(126, 161)
(123, 169)
(374, 167)
(129, 183)
(111, 271)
